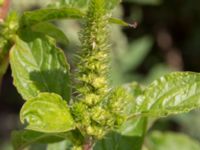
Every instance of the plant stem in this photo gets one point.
(88, 144)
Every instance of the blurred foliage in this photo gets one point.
(166, 141)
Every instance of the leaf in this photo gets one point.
(51, 30)
(115, 141)
(39, 66)
(48, 113)
(118, 22)
(171, 94)
(42, 15)
(134, 127)
(23, 138)
(171, 141)
(63, 145)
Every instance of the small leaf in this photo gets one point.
(171, 94)
(171, 141)
(22, 139)
(42, 15)
(118, 22)
(48, 113)
(51, 30)
(63, 145)
(134, 127)
(39, 66)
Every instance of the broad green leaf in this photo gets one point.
(171, 94)
(42, 15)
(51, 30)
(39, 66)
(47, 113)
(171, 141)
(63, 145)
(22, 139)
(115, 141)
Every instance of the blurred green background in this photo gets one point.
(166, 39)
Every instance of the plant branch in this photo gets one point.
(4, 9)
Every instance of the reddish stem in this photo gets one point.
(88, 145)
(4, 9)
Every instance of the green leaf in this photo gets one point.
(51, 30)
(134, 127)
(42, 15)
(171, 94)
(64, 145)
(115, 141)
(171, 141)
(118, 22)
(22, 139)
(39, 66)
(48, 113)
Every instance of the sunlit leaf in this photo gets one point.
(48, 113)
(171, 94)
(64, 145)
(39, 66)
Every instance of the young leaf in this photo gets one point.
(51, 30)
(171, 94)
(171, 141)
(39, 66)
(22, 139)
(118, 22)
(42, 15)
(47, 113)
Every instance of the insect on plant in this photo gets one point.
(81, 109)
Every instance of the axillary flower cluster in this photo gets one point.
(98, 107)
